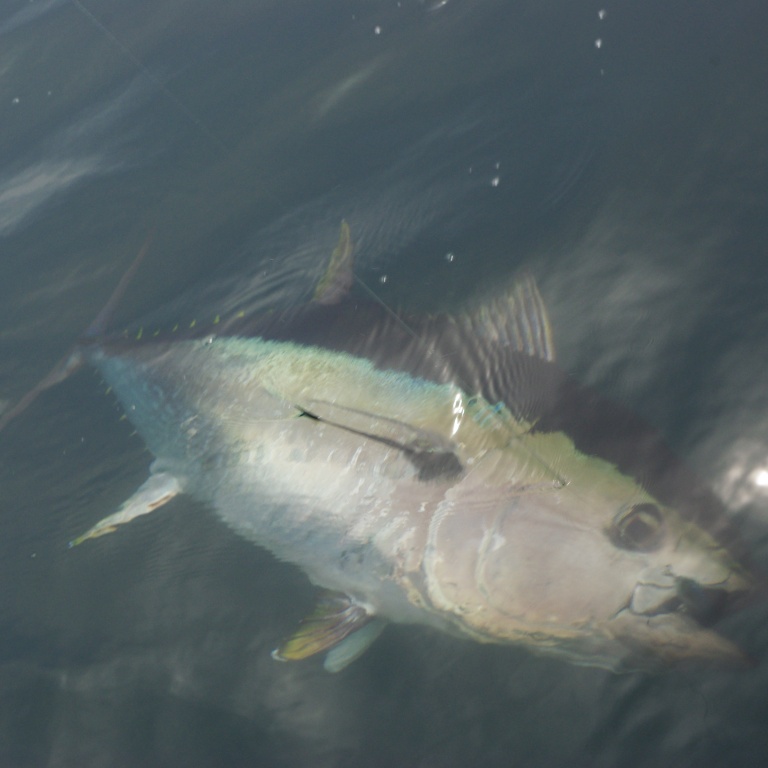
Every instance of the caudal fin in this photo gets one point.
(74, 359)
(98, 326)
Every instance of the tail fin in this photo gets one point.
(74, 359)
(98, 326)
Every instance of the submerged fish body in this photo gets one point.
(421, 502)
(414, 469)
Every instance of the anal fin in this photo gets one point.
(337, 625)
(157, 491)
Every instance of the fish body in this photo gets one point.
(418, 500)
(415, 470)
(335, 502)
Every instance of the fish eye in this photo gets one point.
(639, 528)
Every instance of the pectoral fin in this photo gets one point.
(157, 491)
(433, 455)
(337, 625)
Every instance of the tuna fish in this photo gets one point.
(432, 470)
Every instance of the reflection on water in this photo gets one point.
(86, 146)
(628, 177)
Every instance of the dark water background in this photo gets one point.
(463, 141)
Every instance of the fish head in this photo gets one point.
(547, 547)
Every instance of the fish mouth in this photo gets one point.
(705, 604)
(670, 618)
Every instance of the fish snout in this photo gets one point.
(704, 603)
(671, 617)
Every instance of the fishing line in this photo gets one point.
(706, 718)
(399, 320)
(175, 100)
(201, 126)
(182, 107)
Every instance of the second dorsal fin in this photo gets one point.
(334, 285)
